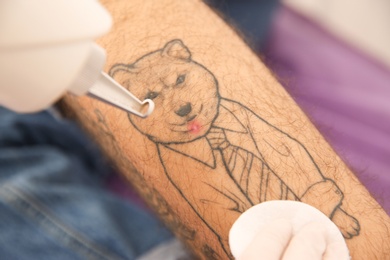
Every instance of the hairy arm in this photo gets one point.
(224, 135)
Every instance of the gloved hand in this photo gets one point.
(287, 230)
(276, 241)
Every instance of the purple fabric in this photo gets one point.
(344, 92)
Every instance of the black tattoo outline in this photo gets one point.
(153, 198)
(151, 195)
(264, 154)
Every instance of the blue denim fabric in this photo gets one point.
(53, 203)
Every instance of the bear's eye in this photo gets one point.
(180, 79)
(151, 95)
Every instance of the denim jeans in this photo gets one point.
(53, 201)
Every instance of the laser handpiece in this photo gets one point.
(47, 48)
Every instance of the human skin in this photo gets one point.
(180, 53)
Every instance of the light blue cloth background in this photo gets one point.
(53, 202)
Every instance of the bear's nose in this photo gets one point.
(184, 110)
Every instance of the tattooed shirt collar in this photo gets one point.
(204, 153)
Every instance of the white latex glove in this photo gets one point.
(276, 241)
(286, 230)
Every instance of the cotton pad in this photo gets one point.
(296, 215)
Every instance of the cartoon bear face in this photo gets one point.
(185, 93)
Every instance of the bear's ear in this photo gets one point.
(121, 67)
(176, 49)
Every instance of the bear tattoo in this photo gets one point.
(193, 125)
